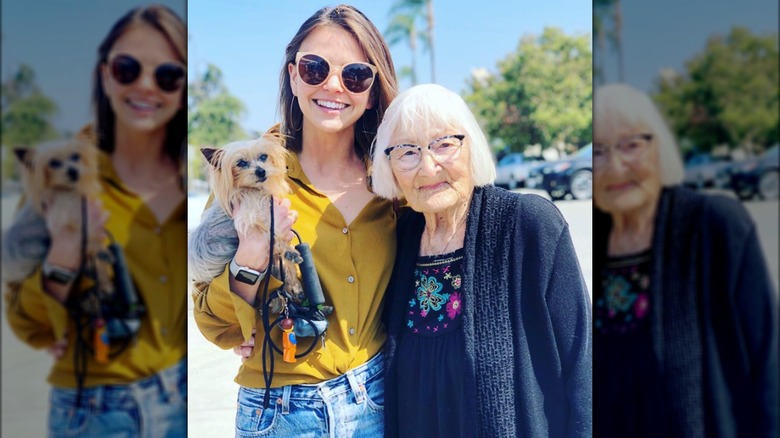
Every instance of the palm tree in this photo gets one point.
(402, 28)
(423, 9)
(609, 11)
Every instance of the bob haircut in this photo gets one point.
(172, 28)
(619, 107)
(429, 108)
(377, 53)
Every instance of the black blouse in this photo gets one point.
(431, 398)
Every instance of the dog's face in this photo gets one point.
(259, 165)
(60, 165)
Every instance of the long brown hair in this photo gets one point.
(383, 91)
(165, 21)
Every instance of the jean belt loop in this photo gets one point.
(95, 396)
(356, 387)
(166, 379)
(286, 399)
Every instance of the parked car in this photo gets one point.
(756, 176)
(512, 170)
(572, 175)
(701, 171)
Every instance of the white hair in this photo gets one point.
(619, 106)
(427, 108)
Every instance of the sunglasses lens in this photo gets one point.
(125, 69)
(170, 77)
(313, 69)
(357, 77)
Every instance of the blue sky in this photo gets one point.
(666, 33)
(246, 39)
(60, 42)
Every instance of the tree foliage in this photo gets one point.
(26, 117)
(541, 94)
(727, 94)
(213, 117)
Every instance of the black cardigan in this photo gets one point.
(526, 320)
(714, 321)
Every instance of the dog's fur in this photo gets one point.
(57, 176)
(248, 174)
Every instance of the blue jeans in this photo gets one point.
(351, 405)
(155, 406)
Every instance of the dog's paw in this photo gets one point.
(293, 256)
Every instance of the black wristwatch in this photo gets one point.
(244, 274)
(58, 274)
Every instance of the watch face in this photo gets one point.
(246, 277)
(59, 277)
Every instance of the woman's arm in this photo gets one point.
(570, 314)
(225, 309)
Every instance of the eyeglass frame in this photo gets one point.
(460, 138)
(646, 136)
(111, 65)
(332, 69)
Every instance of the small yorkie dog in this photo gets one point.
(248, 174)
(57, 177)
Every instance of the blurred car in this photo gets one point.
(512, 170)
(701, 171)
(757, 176)
(572, 175)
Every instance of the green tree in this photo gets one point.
(727, 94)
(213, 114)
(541, 94)
(26, 116)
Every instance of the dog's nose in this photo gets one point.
(260, 172)
(73, 174)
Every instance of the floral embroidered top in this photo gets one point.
(431, 396)
(621, 328)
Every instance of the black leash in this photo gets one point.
(268, 343)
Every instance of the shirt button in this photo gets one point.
(164, 331)
(344, 230)
(352, 331)
(157, 231)
(351, 279)
(163, 279)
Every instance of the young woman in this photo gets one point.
(140, 130)
(336, 82)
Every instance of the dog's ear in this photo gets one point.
(213, 156)
(25, 156)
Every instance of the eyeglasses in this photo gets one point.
(408, 156)
(356, 77)
(126, 70)
(629, 149)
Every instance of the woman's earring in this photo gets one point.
(291, 119)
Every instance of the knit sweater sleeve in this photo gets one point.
(570, 315)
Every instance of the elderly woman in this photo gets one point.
(487, 313)
(685, 322)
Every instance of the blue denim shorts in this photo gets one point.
(351, 405)
(155, 406)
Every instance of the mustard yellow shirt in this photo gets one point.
(157, 259)
(354, 264)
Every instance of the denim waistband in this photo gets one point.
(352, 380)
(166, 381)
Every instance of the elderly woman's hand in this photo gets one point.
(245, 350)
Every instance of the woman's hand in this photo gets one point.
(254, 246)
(66, 240)
(57, 349)
(245, 350)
